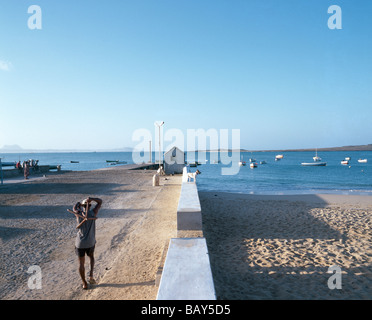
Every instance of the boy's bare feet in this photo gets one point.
(92, 281)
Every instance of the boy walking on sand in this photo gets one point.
(86, 236)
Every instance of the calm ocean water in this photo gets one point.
(286, 176)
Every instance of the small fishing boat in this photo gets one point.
(263, 162)
(278, 157)
(253, 165)
(112, 161)
(348, 158)
(314, 164)
(72, 161)
(362, 160)
(193, 164)
(345, 162)
(242, 163)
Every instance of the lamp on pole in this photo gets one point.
(159, 125)
(1, 172)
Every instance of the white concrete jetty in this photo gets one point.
(187, 273)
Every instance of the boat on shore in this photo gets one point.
(8, 164)
(117, 162)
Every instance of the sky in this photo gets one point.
(97, 71)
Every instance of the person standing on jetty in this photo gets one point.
(26, 170)
(86, 236)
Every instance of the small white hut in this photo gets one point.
(174, 161)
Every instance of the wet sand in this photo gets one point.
(280, 247)
(134, 223)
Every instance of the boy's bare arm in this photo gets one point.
(98, 205)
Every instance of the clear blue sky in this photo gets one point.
(98, 70)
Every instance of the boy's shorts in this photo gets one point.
(81, 252)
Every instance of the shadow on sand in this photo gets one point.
(233, 235)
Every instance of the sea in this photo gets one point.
(286, 176)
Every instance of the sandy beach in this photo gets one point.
(260, 247)
(134, 224)
(280, 247)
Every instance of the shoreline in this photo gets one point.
(324, 198)
(299, 193)
(281, 246)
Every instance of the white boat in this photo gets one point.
(362, 160)
(242, 163)
(279, 156)
(345, 162)
(348, 158)
(253, 165)
(314, 164)
(316, 158)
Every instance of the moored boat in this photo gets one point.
(362, 160)
(253, 165)
(314, 164)
(345, 162)
(117, 162)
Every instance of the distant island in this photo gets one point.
(365, 147)
(17, 149)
